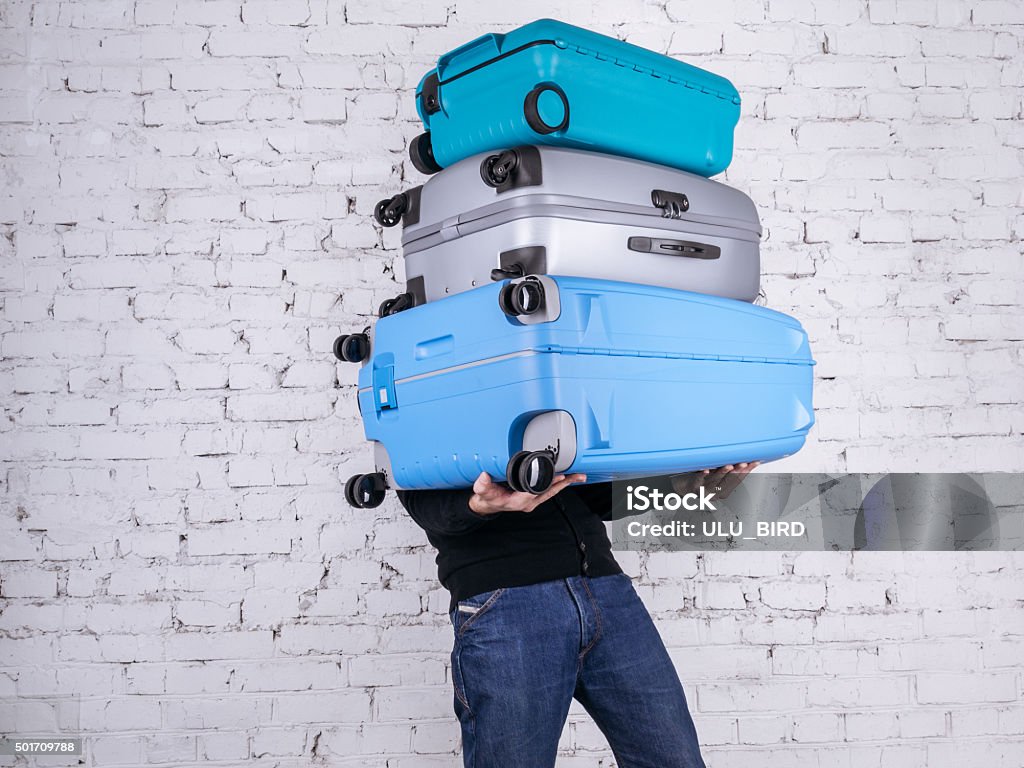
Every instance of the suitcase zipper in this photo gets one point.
(703, 88)
(577, 209)
(499, 57)
(569, 350)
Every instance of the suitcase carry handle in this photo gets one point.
(668, 247)
(489, 44)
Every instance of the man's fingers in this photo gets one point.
(536, 501)
(482, 483)
(689, 482)
(715, 477)
(733, 479)
(556, 487)
(736, 477)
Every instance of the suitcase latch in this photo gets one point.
(384, 388)
(449, 229)
(673, 204)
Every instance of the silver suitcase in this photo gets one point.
(547, 210)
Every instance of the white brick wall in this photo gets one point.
(185, 219)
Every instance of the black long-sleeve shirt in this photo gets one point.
(565, 536)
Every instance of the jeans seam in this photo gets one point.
(597, 620)
(459, 693)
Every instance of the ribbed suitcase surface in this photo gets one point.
(553, 83)
(568, 212)
(611, 379)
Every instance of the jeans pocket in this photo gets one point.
(469, 611)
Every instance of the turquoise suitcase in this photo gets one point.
(553, 83)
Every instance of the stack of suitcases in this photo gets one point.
(578, 293)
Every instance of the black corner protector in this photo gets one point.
(417, 287)
(430, 97)
(533, 259)
(412, 210)
(528, 172)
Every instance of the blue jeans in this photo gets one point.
(523, 653)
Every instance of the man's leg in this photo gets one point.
(629, 686)
(514, 669)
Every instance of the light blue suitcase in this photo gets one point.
(538, 375)
(553, 83)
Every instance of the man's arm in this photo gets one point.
(455, 512)
(442, 511)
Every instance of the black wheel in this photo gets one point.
(365, 491)
(546, 109)
(393, 306)
(531, 471)
(353, 348)
(495, 170)
(350, 491)
(521, 299)
(421, 152)
(512, 471)
(389, 212)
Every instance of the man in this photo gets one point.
(543, 614)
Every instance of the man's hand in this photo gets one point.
(489, 497)
(725, 478)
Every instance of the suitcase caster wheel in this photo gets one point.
(546, 109)
(421, 152)
(353, 348)
(389, 212)
(521, 299)
(365, 491)
(495, 170)
(531, 472)
(393, 306)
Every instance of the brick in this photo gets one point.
(252, 43)
(218, 75)
(747, 697)
(283, 407)
(341, 74)
(339, 707)
(204, 207)
(800, 597)
(296, 13)
(325, 107)
(29, 583)
(203, 646)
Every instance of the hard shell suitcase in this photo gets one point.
(544, 374)
(540, 210)
(553, 83)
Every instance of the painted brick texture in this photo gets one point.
(185, 211)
